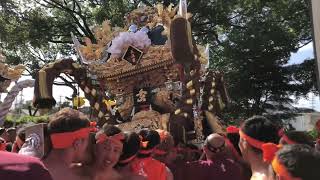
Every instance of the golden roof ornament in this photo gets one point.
(11, 73)
(8, 74)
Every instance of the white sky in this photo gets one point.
(304, 53)
(58, 92)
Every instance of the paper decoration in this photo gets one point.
(132, 55)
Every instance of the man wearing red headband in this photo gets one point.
(130, 150)
(108, 149)
(69, 133)
(254, 133)
(165, 152)
(145, 165)
(216, 166)
(295, 162)
(296, 137)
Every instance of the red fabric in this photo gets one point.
(3, 145)
(150, 168)
(93, 124)
(159, 152)
(253, 142)
(232, 130)
(117, 138)
(233, 149)
(65, 140)
(146, 151)
(281, 170)
(269, 151)
(18, 167)
(127, 160)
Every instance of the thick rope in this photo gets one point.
(12, 94)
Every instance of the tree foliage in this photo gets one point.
(12, 120)
(252, 44)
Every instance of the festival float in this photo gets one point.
(148, 74)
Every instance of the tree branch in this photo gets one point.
(309, 41)
(146, 2)
(69, 84)
(70, 78)
(60, 42)
(84, 28)
(78, 5)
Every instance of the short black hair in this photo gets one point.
(67, 120)
(2, 130)
(261, 129)
(234, 139)
(300, 137)
(301, 161)
(9, 146)
(22, 133)
(153, 139)
(131, 146)
(109, 130)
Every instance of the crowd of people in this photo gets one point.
(75, 149)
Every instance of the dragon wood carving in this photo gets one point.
(43, 98)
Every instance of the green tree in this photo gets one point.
(251, 43)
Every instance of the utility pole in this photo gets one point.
(312, 102)
(60, 102)
(21, 102)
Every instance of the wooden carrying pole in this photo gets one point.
(316, 35)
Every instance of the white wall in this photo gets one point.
(305, 122)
